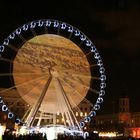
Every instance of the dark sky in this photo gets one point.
(113, 26)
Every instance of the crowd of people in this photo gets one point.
(11, 136)
(41, 136)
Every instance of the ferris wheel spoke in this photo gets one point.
(26, 113)
(13, 48)
(83, 85)
(74, 90)
(93, 65)
(88, 88)
(78, 108)
(22, 38)
(27, 93)
(86, 76)
(20, 74)
(20, 85)
(6, 60)
(77, 77)
(70, 35)
(87, 54)
(33, 31)
(71, 100)
(68, 71)
(71, 114)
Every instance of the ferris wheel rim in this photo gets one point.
(72, 31)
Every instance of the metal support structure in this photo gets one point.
(62, 100)
(34, 110)
(40, 118)
(69, 106)
(64, 105)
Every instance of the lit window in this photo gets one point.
(62, 119)
(57, 120)
(81, 114)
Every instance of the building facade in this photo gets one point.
(125, 123)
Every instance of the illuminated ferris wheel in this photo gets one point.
(50, 67)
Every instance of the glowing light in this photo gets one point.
(92, 114)
(107, 134)
(76, 114)
(63, 26)
(135, 132)
(81, 114)
(77, 32)
(51, 133)
(102, 85)
(82, 124)
(6, 42)
(2, 48)
(62, 119)
(100, 100)
(48, 23)
(88, 43)
(93, 49)
(82, 37)
(86, 134)
(25, 28)
(1, 101)
(22, 130)
(56, 24)
(33, 24)
(87, 119)
(96, 106)
(96, 56)
(18, 31)
(4, 108)
(40, 23)
(10, 115)
(2, 129)
(85, 113)
(102, 93)
(102, 70)
(103, 77)
(96, 132)
(70, 29)
(57, 120)
(17, 121)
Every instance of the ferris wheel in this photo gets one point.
(50, 67)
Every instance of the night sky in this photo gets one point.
(113, 26)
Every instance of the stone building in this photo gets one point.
(125, 123)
